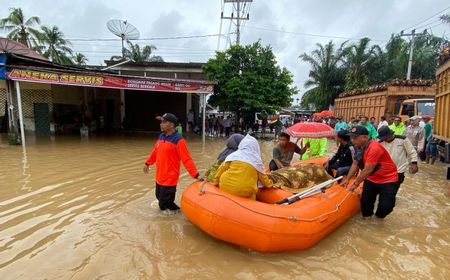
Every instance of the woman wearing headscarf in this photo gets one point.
(232, 146)
(242, 170)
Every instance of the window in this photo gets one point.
(407, 109)
(425, 108)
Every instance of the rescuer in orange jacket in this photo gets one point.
(169, 150)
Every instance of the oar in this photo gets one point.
(320, 187)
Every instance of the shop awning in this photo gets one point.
(98, 79)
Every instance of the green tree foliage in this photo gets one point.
(445, 19)
(364, 65)
(426, 52)
(55, 47)
(138, 55)
(249, 80)
(79, 59)
(326, 76)
(390, 63)
(20, 29)
(358, 58)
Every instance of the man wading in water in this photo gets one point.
(378, 172)
(169, 149)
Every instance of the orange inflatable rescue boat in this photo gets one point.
(265, 226)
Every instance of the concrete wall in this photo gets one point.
(30, 93)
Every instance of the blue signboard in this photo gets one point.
(3, 67)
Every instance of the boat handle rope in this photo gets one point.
(292, 218)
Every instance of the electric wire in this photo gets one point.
(309, 34)
(438, 13)
(144, 39)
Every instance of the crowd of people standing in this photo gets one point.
(417, 129)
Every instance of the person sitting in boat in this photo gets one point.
(232, 146)
(284, 151)
(317, 147)
(343, 159)
(243, 170)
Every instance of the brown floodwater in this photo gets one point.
(74, 208)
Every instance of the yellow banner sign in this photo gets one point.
(53, 77)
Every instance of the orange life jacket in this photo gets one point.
(169, 150)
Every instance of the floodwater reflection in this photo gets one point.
(74, 208)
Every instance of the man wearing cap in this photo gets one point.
(343, 158)
(416, 134)
(169, 150)
(378, 172)
(401, 151)
(397, 126)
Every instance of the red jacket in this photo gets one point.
(167, 153)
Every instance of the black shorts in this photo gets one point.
(448, 173)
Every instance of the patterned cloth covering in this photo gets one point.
(299, 177)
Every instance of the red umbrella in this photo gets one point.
(310, 130)
(326, 113)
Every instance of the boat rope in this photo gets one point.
(291, 218)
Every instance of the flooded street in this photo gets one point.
(76, 208)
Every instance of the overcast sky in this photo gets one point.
(283, 24)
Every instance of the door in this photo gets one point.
(41, 118)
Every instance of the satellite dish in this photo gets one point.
(123, 29)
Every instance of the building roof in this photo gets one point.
(158, 64)
(8, 46)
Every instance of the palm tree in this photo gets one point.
(80, 59)
(445, 19)
(56, 48)
(357, 60)
(326, 76)
(137, 55)
(426, 49)
(394, 61)
(21, 30)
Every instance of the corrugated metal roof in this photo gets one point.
(9, 46)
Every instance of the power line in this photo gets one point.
(159, 47)
(220, 26)
(146, 39)
(439, 24)
(438, 13)
(237, 6)
(155, 52)
(248, 12)
(426, 25)
(309, 34)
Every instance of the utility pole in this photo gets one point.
(238, 8)
(413, 35)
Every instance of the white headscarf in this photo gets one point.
(249, 152)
